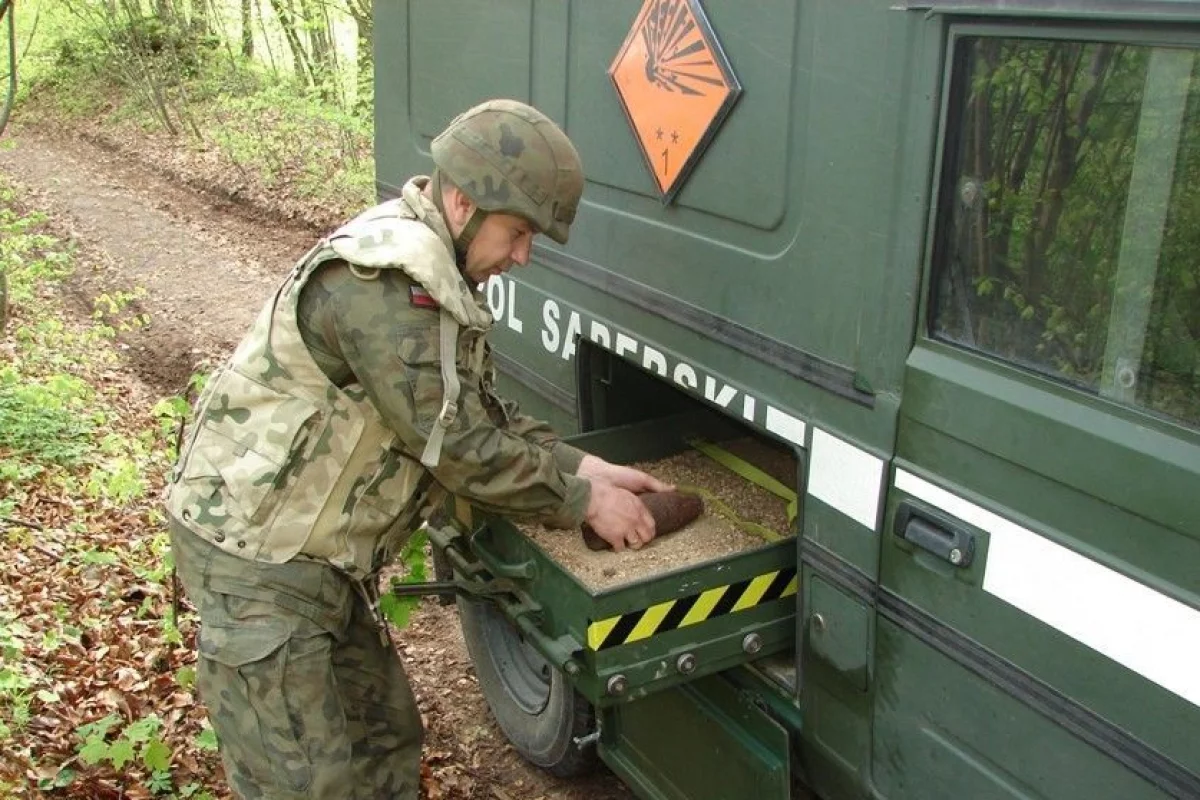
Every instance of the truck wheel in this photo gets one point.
(534, 705)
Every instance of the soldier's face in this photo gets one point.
(502, 241)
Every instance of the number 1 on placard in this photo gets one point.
(664, 155)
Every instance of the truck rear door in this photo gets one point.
(1039, 604)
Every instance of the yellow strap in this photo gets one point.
(450, 386)
(751, 473)
(722, 509)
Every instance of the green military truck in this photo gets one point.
(926, 274)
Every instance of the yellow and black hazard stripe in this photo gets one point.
(691, 610)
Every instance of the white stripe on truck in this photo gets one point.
(1140, 628)
(845, 477)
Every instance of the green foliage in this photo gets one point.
(171, 413)
(296, 141)
(207, 739)
(110, 312)
(398, 610)
(185, 677)
(159, 555)
(92, 735)
(197, 382)
(62, 779)
(41, 421)
(193, 791)
(1062, 258)
(51, 417)
(18, 677)
(99, 557)
(25, 682)
(153, 37)
(139, 742)
(28, 257)
(119, 482)
(170, 631)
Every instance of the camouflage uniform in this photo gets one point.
(315, 448)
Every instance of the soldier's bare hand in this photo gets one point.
(618, 517)
(628, 478)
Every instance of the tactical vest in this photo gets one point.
(280, 462)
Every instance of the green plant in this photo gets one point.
(62, 779)
(185, 677)
(398, 610)
(138, 741)
(171, 413)
(108, 309)
(14, 691)
(20, 678)
(119, 482)
(158, 555)
(40, 420)
(206, 739)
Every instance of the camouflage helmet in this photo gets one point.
(511, 158)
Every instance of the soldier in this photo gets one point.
(363, 392)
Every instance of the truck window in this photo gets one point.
(1069, 228)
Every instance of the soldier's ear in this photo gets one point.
(459, 208)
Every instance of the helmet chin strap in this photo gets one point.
(464, 238)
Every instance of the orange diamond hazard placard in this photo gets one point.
(675, 85)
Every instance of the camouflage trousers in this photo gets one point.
(305, 699)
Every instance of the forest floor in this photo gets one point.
(142, 215)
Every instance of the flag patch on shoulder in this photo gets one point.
(421, 298)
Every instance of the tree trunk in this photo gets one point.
(289, 22)
(3, 301)
(324, 55)
(1071, 129)
(247, 29)
(200, 22)
(364, 60)
(266, 37)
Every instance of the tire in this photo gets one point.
(531, 700)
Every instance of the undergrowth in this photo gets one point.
(95, 674)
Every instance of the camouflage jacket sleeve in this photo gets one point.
(373, 333)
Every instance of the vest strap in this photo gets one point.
(448, 329)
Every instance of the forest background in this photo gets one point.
(278, 90)
(269, 104)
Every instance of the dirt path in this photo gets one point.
(206, 267)
(206, 270)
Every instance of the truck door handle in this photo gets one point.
(935, 534)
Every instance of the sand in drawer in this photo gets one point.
(710, 537)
